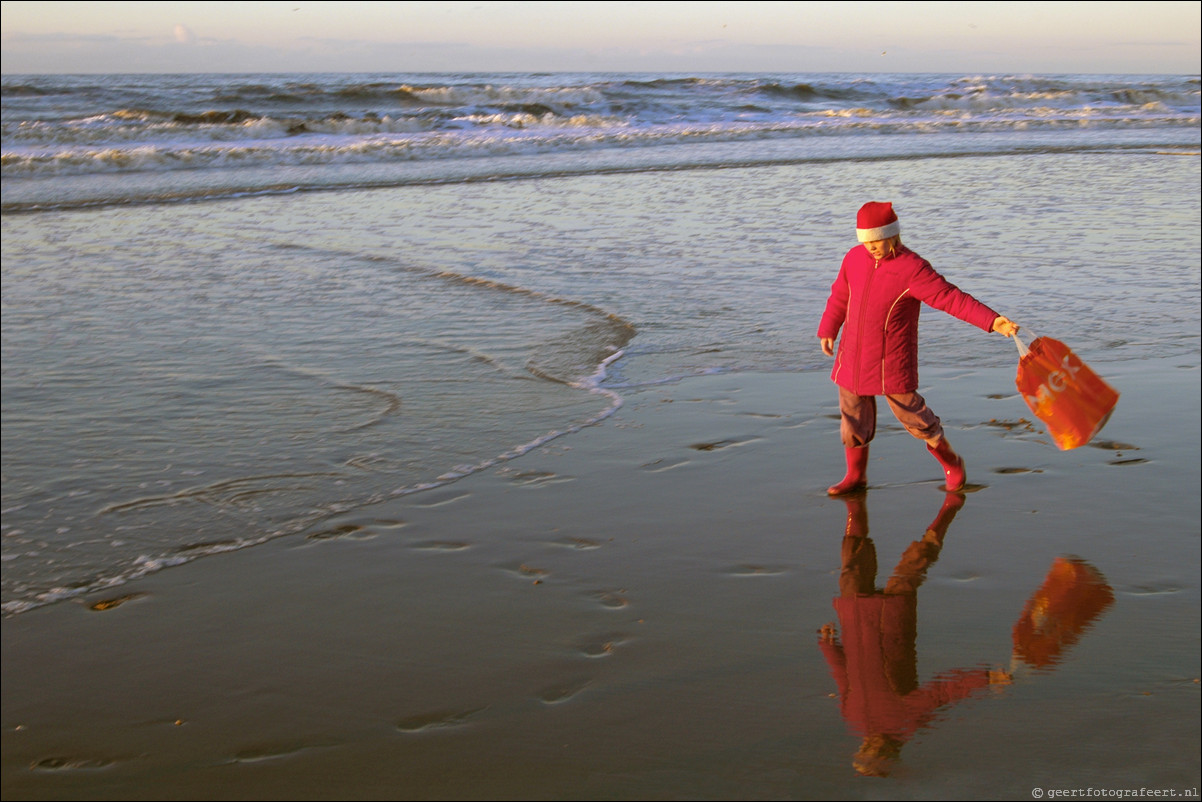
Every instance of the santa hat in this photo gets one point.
(876, 221)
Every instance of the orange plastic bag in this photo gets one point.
(1063, 392)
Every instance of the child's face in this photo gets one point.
(879, 247)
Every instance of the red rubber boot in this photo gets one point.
(953, 465)
(857, 473)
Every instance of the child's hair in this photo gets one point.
(877, 756)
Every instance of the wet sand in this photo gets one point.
(633, 612)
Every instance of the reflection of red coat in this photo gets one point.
(876, 668)
(876, 304)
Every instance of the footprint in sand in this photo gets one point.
(355, 531)
(663, 465)
(1160, 589)
(530, 572)
(718, 445)
(346, 531)
(579, 543)
(1022, 424)
(612, 600)
(1119, 448)
(262, 753)
(561, 693)
(602, 645)
(438, 720)
(1111, 445)
(538, 478)
(71, 763)
(441, 545)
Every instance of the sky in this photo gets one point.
(831, 36)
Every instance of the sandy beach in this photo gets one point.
(633, 612)
(466, 437)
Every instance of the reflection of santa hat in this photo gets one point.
(876, 221)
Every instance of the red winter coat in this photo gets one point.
(876, 304)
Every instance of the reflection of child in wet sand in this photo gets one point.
(875, 666)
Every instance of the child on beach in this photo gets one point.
(875, 301)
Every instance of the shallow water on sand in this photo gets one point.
(637, 615)
(186, 379)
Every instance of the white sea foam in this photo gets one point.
(57, 127)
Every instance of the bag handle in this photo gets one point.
(1023, 348)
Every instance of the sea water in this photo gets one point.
(237, 305)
